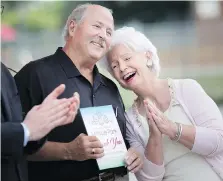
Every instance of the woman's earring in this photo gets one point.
(149, 63)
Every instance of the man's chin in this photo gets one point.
(96, 57)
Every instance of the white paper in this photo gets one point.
(102, 123)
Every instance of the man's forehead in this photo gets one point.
(97, 7)
(96, 11)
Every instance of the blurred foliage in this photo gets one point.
(33, 16)
(42, 19)
(48, 15)
(213, 86)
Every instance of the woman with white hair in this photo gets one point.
(174, 124)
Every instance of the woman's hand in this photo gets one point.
(133, 160)
(155, 133)
(164, 125)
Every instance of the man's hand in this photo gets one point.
(133, 160)
(53, 112)
(83, 148)
(73, 108)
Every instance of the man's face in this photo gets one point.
(92, 37)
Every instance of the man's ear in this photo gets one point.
(72, 27)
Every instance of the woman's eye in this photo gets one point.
(127, 58)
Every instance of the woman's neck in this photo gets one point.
(157, 92)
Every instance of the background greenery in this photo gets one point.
(33, 17)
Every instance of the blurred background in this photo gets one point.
(187, 34)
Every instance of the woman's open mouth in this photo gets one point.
(129, 76)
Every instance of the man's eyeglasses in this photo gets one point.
(2, 8)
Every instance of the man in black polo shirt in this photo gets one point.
(69, 154)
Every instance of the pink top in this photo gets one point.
(204, 115)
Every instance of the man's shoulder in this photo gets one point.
(37, 64)
(34, 66)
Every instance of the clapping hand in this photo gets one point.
(164, 125)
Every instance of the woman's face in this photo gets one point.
(129, 67)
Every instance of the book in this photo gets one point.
(101, 122)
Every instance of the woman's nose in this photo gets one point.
(122, 66)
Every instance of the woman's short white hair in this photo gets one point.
(136, 41)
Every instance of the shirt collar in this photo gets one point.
(71, 70)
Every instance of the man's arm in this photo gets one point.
(12, 136)
(51, 151)
(29, 87)
(79, 149)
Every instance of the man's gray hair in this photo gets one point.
(137, 42)
(77, 15)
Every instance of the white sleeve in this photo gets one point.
(150, 171)
(207, 117)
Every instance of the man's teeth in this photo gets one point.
(97, 44)
(128, 75)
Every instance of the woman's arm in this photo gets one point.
(206, 138)
(150, 171)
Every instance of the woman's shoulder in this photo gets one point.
(130, 112)
(186, 82)
(187, 90)
(188, 85)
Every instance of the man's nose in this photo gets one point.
(102, 34)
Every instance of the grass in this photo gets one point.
(213, 86)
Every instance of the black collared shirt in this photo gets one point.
(36, 80)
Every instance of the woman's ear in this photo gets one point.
(149, 54)
(149, 61)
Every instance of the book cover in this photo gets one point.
(102, 123)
